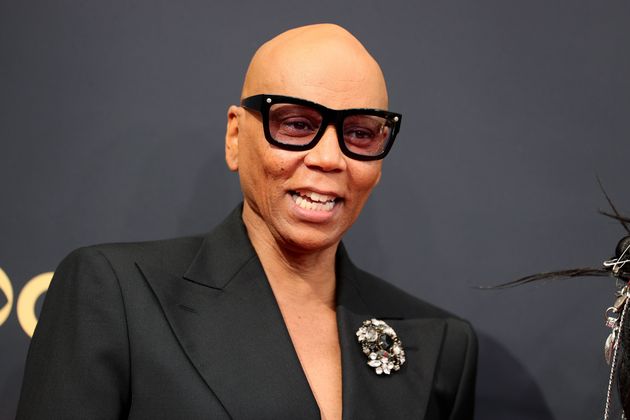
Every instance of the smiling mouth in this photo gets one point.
(314, 201)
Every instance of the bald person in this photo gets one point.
(266, 317)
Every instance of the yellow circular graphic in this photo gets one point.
(7, 289)
(28, 298)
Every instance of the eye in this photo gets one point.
(296, 127)
(366, 134)
(361, 137)
(291, 122)
(358, 133)
(363, 129)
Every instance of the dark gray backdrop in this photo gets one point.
(112, 117)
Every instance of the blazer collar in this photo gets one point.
(225, 316)
(222, 253)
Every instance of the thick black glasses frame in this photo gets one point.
(262, 103)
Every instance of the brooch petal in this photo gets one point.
(381, 345)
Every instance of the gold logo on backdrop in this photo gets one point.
(27, 299)
(7, 289)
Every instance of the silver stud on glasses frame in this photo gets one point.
(268, 100)
(396, 119)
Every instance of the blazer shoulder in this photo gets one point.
(170, 254)
(460, 338)
(382, 294)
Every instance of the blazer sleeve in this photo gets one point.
(464, 404)
(454, 384)
(78, 361)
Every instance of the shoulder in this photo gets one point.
(458, 354)
(382, 294)
(173, 254)
(389, 299)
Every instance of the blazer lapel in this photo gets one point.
(402, 395)
(226, 318)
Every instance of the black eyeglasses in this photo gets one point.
(298, 124)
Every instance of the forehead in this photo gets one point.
(327, 86)
(334, 71)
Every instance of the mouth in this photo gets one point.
(310, 200)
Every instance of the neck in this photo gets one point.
(302, 277)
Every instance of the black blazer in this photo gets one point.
(189, 328)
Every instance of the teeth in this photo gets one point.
(317, 197)
(314, 201)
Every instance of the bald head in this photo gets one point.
(323, 63)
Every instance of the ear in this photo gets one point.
(231, 138)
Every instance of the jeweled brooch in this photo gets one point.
(381, 345)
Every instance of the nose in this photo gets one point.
(326, 155)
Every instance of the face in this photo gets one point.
(307, 200)
(303, 201)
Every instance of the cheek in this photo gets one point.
(278, 164)
(365, 176)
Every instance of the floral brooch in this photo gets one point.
(381, 345)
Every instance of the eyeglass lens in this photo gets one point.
(295, 124)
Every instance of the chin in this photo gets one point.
(311, 241)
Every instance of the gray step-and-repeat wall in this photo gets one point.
(112, 116)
